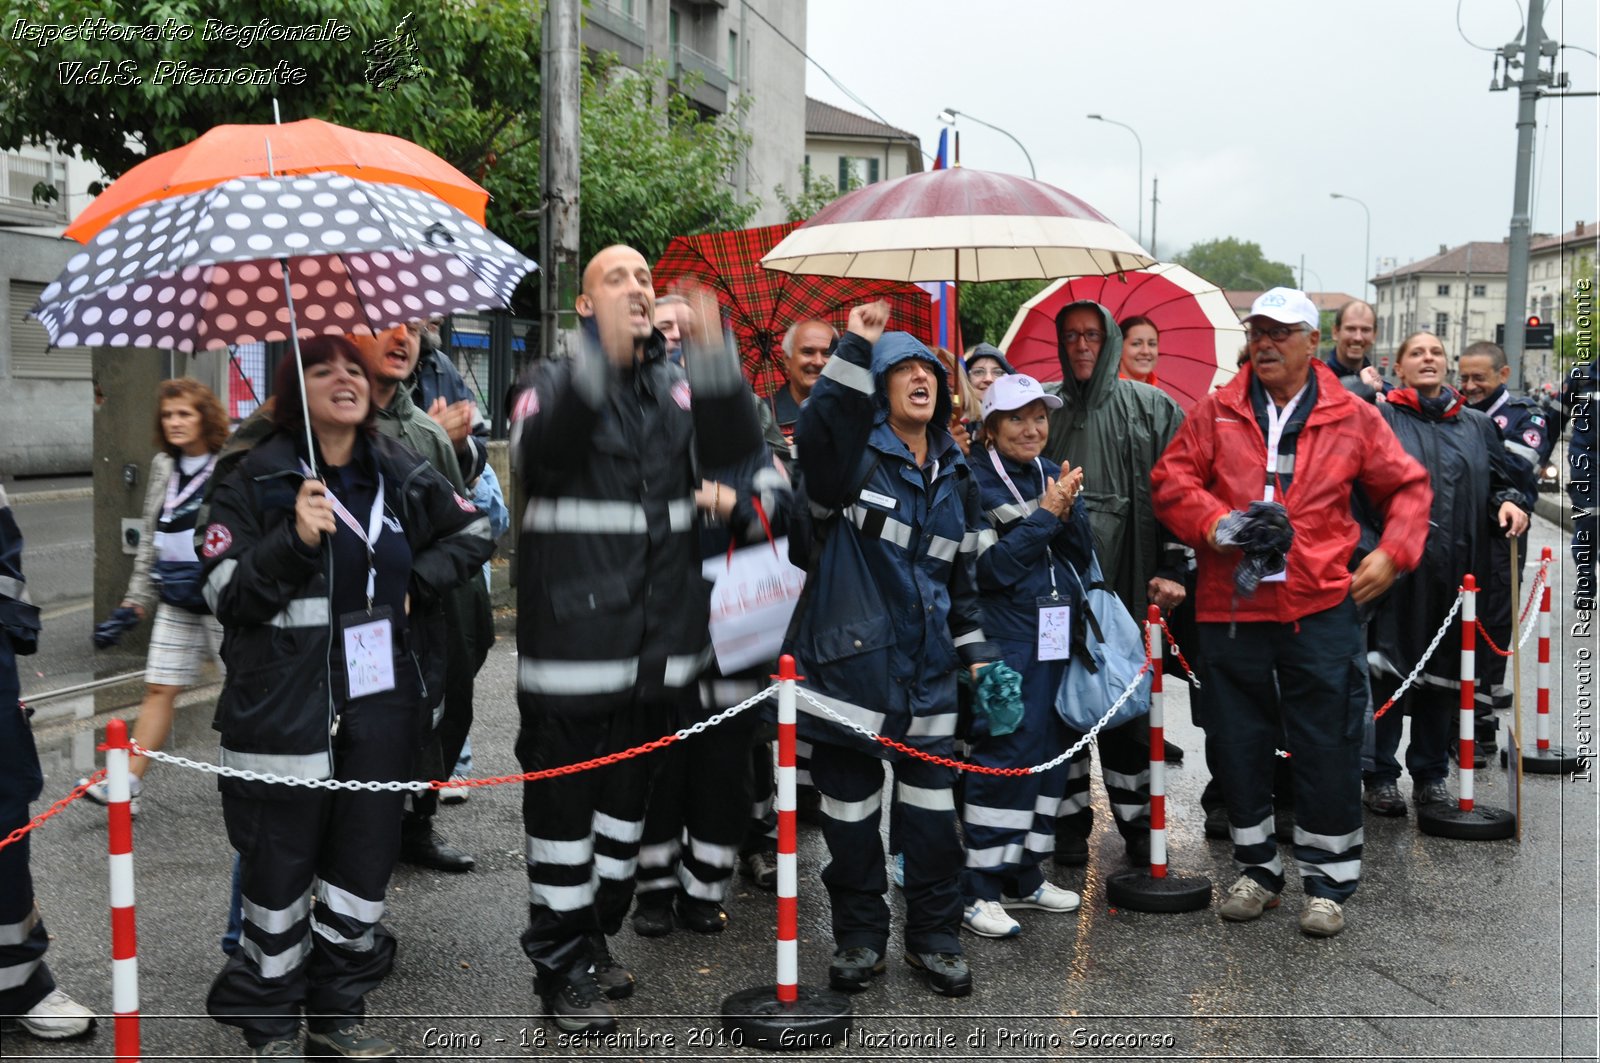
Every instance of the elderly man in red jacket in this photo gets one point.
(1282, 654)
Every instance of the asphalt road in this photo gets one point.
(1481, 950)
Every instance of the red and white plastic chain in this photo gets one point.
(53, 810)
(1427, 654)
(1533, 596)
(1188, 671)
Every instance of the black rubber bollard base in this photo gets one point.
(1557, 760)
(753, 1018)
(1483, 823)
(1139, 891)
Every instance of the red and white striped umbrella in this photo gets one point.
(958, 224)
(1200, 333)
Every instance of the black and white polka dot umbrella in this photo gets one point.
(207, 269)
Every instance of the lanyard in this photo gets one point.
(175, 498)
(1276, 423)
(368, 536)
(994, 459)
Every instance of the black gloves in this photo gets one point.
(109, 632)
(1264, 533)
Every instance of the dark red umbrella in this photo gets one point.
(1200, 333)
(761, 304)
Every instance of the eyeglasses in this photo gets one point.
(985, 372)
(1072, 336)
(1275, 333)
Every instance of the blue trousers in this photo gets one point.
(24, 977)
(1299, 683)
(851, 785)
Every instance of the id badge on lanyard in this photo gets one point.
(1054, 631)
(367, 635)
(1276, 422)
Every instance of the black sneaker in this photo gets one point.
(1172, 753)
(1216, 826)
(1138, 847)
(947, 973)
(853, 969)
(351, 1041)
(1432, 793)
(653, 918)
(1071, 850)
(578, 1006)
(614, 980)
(761, 868)
(1383, 798)
(703, 917)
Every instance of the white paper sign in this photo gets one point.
(752, 599)
(369, 658)
(1055, 632)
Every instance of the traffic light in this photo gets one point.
(1536, 335)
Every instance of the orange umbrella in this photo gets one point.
(307, 146)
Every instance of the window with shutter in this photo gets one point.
(30, 343)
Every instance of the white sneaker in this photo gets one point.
(100, 793)
(455, 793)
(57, 1018)
(988, 919)
(1047, 898)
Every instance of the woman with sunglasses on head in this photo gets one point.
(313, 564)
(191, 427)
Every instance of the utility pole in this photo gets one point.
(1535, 47)
(560, 95)
(1155, 183)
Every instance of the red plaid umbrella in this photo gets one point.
(761, 304)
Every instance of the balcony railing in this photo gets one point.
(18, 175)
(620, 17)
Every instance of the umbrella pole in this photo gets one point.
(300, 369)
(956, 346)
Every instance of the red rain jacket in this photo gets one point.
(1217, 463)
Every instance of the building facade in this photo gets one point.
(1458, 295)
(849, 150)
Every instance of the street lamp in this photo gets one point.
(1140, 197)
(1366, 264)
(952, 112)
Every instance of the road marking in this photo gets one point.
(66, 610)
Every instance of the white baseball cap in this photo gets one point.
(1013, 392)
(1286, 305)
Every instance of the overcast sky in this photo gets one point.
(1251, 112)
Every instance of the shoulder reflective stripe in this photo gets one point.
(623, 830)
(942, 799)
(943, 549)
(583, 516)
(538, 676)
(277, 964)
(939, 725)
(561, 898)
(850, 375)
(852, 811)
(684, 669)
(365, 943)
(13, 977)
(17, 933)
(987, 538)
(1003, 818)
(217, 581)
(975, 635)
(362, 909)
(13, 588)
(1337, 844)
(574, 853)
(680, 514)
(1013, 511)
(295, 766)
(275, 920)
(1526, 453)
(302, 612)
(872, 721)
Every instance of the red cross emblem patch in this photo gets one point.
(218, 539)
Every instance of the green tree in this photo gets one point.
(987, 309)
(815, 193)
(645, 181)
(1235, 264)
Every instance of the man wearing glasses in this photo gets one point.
(1116, 429)
(1281, 660)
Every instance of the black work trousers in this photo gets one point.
(337, 847)
(24, 977)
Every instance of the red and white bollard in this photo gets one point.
(1150, 889)
(1544, 758)
(1467, 819)
(786, 1015)
(124, 939)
